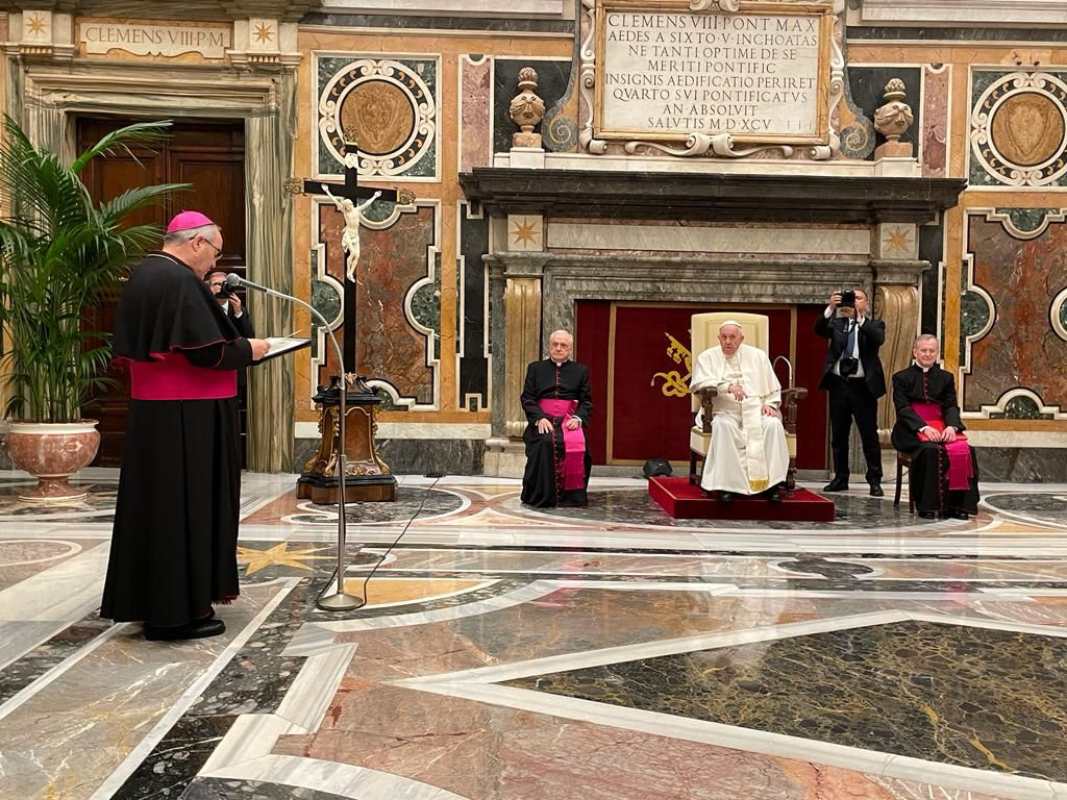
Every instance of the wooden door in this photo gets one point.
(208, 155)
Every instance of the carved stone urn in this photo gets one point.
(52, 452)
(527, 110)
(892, 120)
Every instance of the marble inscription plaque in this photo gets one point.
(153, 39)
(757, 76)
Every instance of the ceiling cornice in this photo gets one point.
(283, 10)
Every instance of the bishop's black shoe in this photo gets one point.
(928, 514)
(836, 485)
(876, 490)
(957, 513)
(198, 629)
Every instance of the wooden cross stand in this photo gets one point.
(368, 477)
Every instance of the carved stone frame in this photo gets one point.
(823, 143)
(46, 98)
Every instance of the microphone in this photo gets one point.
(339, 599)
(234, 281)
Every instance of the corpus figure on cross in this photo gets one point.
(353, 215)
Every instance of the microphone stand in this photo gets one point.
(339, 599)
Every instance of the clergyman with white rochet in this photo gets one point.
(853, 376)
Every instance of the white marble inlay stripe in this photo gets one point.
(329, 776)
(27, 692)
(18, 638)
(63, 593)
(308, 699)
(189, 696)
(487, 606)
(644, 650)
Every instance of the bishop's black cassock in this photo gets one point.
(173, 549)
(929, 460)
(543, 480)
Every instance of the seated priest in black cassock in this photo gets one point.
(558, 402)
(944, 471)
(174, 541)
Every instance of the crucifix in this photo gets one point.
(367, 477)
(348, 195)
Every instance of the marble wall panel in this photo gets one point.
(475, 107)
(390, 348)
(1023, 464)
(1022, 277)
(932, 249)
(553, 76)
(935, 122)
(392, 104)
(472, 324)
(867, 86)
(1017, 129)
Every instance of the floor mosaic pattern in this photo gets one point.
(511, 654)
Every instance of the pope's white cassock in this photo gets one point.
(748, 451)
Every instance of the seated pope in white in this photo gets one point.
(748, 451)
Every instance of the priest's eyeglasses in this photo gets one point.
(218, 250)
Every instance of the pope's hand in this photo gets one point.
(771, 411)
(544, 425)
(737, 391)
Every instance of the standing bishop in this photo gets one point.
(748, 452)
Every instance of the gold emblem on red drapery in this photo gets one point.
(674, 383)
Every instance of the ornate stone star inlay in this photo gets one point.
(898, 239)
(264, 32)
(254, 560)
(35, 24)
(525, 232)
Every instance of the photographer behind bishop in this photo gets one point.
(230, 303)
(854, 378)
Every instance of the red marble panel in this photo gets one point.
(476, 140)
(388, 346)
(1022, 277)
(935, 121)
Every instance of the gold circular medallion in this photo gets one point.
(378, 117)
(1028, 129)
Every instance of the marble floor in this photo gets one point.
(606, 653)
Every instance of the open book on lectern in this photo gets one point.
(280, 345)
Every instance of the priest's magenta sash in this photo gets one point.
(170, 376)
(573, 442)
(960, 468)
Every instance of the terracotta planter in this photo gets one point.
(52, 452)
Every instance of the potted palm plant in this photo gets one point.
(60, 253)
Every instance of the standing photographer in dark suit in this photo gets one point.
(230, 303)
(854, 378)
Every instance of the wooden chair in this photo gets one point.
(904, 463)
(704, 333)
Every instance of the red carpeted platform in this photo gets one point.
(683, 500)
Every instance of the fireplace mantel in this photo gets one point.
(731, 197)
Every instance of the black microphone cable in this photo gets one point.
(388, 550)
